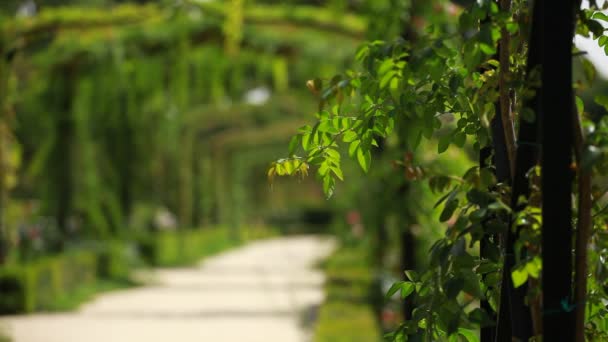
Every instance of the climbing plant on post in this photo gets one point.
(457, 72)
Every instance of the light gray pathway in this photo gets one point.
(259, 292)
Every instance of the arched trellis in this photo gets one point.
(143, 63)
(235, 154)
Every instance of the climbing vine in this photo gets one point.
(455, 84)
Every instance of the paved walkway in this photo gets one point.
(265, 291)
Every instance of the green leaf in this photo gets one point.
(512, 28)
(333, 155)
(600, 16)
(580, 106)
(602, 100)
(444, 143)
(407, 288)
(349, 136)
(280, 169)
(394, 288)
(386, 78)
(362, 52)
(353, 148)
(323, 168)
(534, 266)
(328, 185)
(479, 197)
(589, 68)
(499, 205)
(486, 267)
(386, 66)
(469, 335)
(444, 197)
(519, 276)
(412, 275)
(305, 129)
(459, 139)
(449, 208)
(364, 157)
(293, 144)
(327, 126)
(487, 49)
(338, 172)
(289, 167)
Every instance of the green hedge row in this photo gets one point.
(347, 315)
(174, 248)
(37, 285)
(41, 284)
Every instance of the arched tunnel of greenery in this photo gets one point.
(150, 125)
(116, 111)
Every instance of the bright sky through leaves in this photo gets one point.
(594, 53)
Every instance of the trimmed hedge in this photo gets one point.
(173, 248)
(115, 260)
(346, 322)
(36, 286)
(347, 315)
(183, 247)
(47, 283)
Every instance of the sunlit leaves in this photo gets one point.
(444, 87)
(364, 158)
(600, 16)
(288, 167)
(528, 269)
(406, 288)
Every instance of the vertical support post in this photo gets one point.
(557, 174)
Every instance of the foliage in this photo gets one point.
(445, 86)
(64, 281)
(184, 247)
(143, 109)
(347, 23)
(347, 313)
(345, 322)
(40, 284)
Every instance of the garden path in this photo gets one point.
(264, 291)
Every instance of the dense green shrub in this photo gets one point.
(348, 312)
(181, 247)
(12, 288)
(115, 260)
(171, 248)
(348, 276)
(346, 322)
(38, 285)
(61, 281)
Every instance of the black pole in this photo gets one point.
(514, 316)
(557, 174)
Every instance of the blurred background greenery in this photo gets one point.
(139, 133)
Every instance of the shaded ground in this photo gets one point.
(265, 291)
